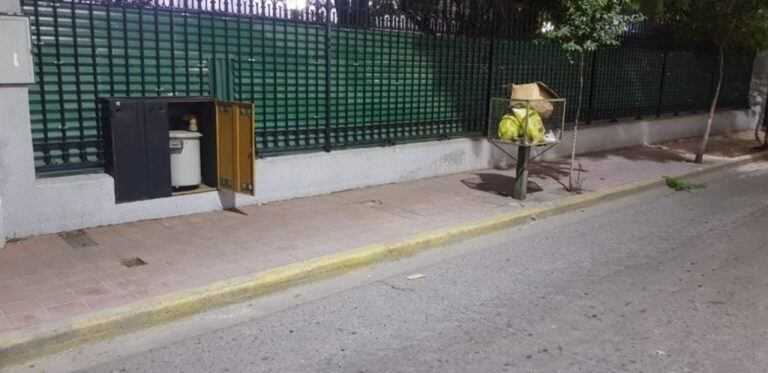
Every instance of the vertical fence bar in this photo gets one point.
(186, 47)
(453, 44)
(489, 78)
(386, 123)
(41, 82)
(172, 50)
(275, 98)
(363, 133)
(142, 65)
(212, 66)
(125, 55)
(286, 109)
(95, 70)
(200, 46)
(78, 88)
(344, 139)
(274, 137)
(437, 107)
(239, 82)
(226, 59)
(423, 60)
(250, 51)
(110, 57)
(60, 85)
(156, 28)
(327, 39)
(302, 137)
(663, 74)
(589, 114)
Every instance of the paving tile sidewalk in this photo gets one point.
(43, 278)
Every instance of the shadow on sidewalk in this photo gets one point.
(501, 185)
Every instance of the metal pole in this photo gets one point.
(591, 87)
(489, 82)
(521, 175)
(663, 73)
(328, 7)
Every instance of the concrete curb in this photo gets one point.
(17, 347)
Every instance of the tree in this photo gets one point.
(663, 11)
(727, 25)
(580, 27)
(352, 12)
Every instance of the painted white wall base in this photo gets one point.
(609, 136)
(2, 228)
(37, 206)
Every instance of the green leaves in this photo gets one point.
(740, 24)
(681, 185)
(584, 25)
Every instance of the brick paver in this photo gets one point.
(43, 278)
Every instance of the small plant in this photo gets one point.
(580, 27)
(578, 184)
(681, 185)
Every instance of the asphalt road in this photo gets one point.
(659, 282)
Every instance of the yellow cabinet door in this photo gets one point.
(235, 149)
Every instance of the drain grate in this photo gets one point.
(78, 239)
(132, 262)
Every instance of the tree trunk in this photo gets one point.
(705, 139)
(761, 120)
(765, 125)
(576, 123)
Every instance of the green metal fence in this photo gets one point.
(321, 83)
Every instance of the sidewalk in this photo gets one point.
(45, 279)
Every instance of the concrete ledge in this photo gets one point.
(39, 206)
(18, 347)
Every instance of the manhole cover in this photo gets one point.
(78, 239)
(132, 262)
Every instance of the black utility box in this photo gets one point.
(137, 144)
(136, 147)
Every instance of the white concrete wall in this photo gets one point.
(66, 203)
(319, 173)
(10, 7)
(599, 137)
(7, 7)
(35, 206)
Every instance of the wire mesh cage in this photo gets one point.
(526, 122)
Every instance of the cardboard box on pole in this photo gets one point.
(534, 91)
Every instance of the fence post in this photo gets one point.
(328, 7)
(489, 81)
(713, 83)
(663, 73)
(591, 87)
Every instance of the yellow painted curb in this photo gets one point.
(17, 347)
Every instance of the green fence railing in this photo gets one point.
(322, 79)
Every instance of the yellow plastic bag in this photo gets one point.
(509, 128)
(530, 123)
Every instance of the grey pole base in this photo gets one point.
(521, 176)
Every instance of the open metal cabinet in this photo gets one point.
(235, 147)
(137, 148)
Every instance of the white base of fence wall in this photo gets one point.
(36, 206)
(600, 137)
(2, 228)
